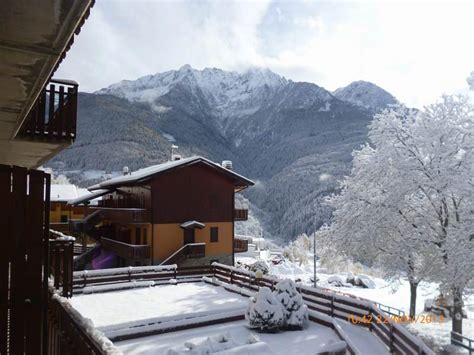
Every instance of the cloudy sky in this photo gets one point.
(415, 50)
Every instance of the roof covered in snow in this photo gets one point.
(192, 224)
(87, 196)
(66, 192)
(145, 174)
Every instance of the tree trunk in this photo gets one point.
(413, 287)
(457, 311)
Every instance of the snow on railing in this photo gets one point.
(132, 270)
(333, 304)
(61, 236)
(81, 327)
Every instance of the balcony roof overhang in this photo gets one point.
(34, 40)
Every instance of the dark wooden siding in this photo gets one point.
(192, 193)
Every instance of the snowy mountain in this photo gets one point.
(228, 94)
(294, 138)
(365, 94)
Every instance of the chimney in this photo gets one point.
(227, 164)
(125, 170)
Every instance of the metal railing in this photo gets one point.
(462, 341)
(54, 114)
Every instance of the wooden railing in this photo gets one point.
(191, 250)
(125, 250)
(155, 273)
(241, 245)
(54, 114)
(241, 214)
(393, 335)
(61, 254)
(122, 202)
(66, 333)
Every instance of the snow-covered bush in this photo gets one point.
(294, 310)
(264, 311)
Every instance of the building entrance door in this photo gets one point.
(188, 236)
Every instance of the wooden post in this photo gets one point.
(390, 325)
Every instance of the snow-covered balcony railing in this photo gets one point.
(127, 251)
(54, 114)
(241, 245)
(335, 305)
(241, 214)
(70, 333)
(61, 254)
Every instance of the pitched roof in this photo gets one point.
(88, 197)
(145, 174)
(63, 192)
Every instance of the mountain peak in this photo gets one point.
(365, 94)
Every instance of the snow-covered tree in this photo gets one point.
(299, 249)
(408, 203)
(264, 311)
(294, 310)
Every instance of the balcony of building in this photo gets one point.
(52, 119)
(131, 253)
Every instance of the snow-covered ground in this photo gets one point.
(307, 341)
(166, 302)
(395, 294)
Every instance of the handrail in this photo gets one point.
(189, 245)
(458, 340)
(333, 304)
(125, 250)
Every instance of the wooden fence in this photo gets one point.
(66, 334)
(358, 311)
(61, 253)
(24, 220)
(325, 306)
(82, 279)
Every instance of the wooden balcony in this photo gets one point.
(53, 116)
(122, 202)
(241, 214)
(241, 245)
(127, 251)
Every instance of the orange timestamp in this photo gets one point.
(379, 319)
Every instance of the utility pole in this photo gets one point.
(314, 258)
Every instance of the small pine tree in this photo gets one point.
(294, 310)
(264, 311)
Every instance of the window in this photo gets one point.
(214, 234)
(138, 235)
(63, 218)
